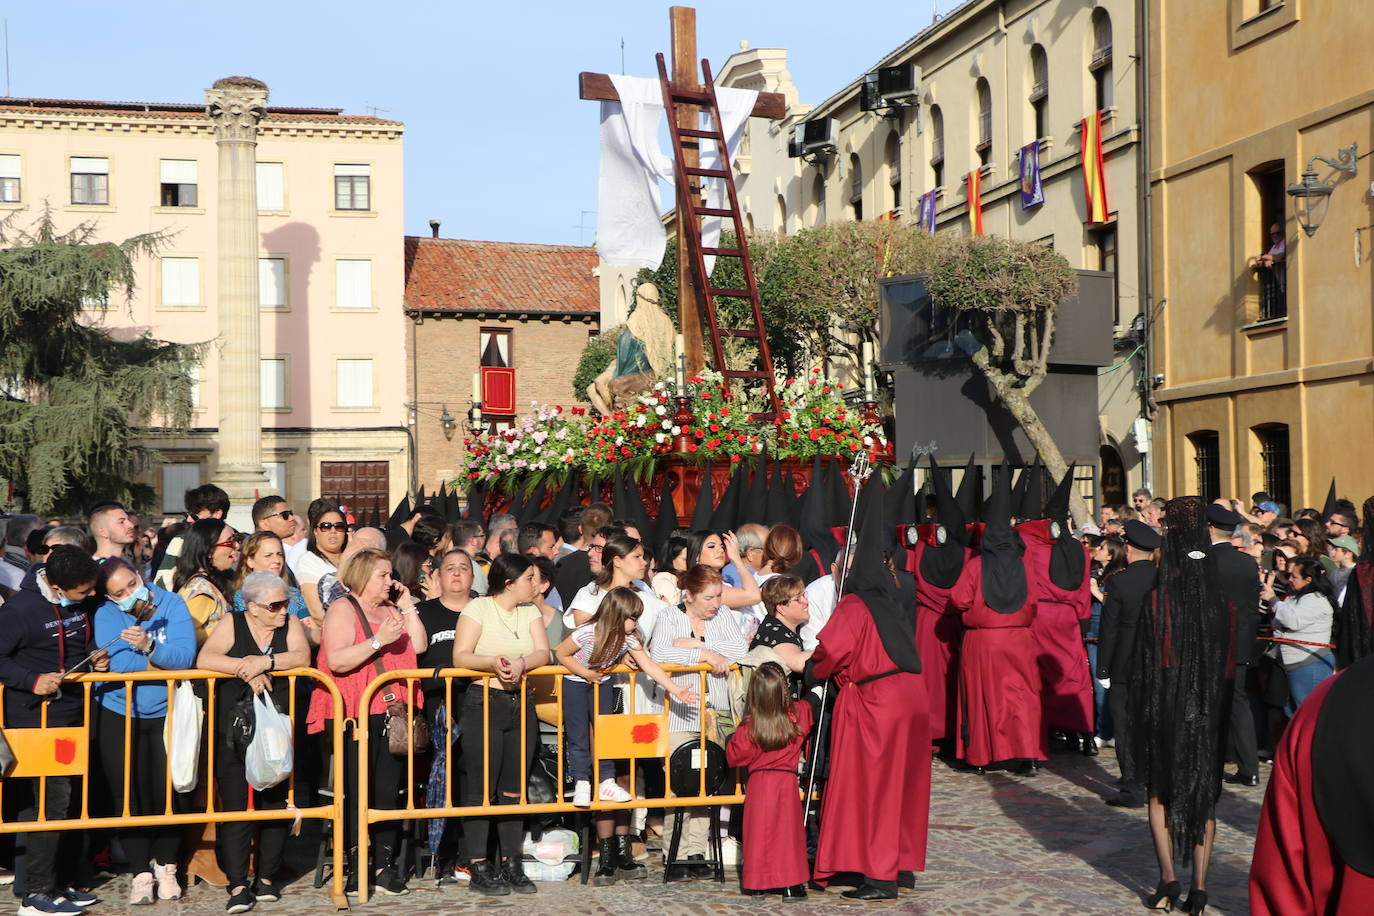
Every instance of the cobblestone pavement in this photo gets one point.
(998, 844)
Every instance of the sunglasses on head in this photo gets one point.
(332, 526)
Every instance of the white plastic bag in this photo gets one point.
(270, 754)
(182, 737)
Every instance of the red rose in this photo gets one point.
(715, 427)
(691, 446)
(825, 390)
(624, 450)
(813, 435)
(853, 446)
(796, 436)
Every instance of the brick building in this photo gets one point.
(518, 315)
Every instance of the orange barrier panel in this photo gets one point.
(634, 736)
(47, 752)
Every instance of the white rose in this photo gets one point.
(868, 440)
(639, 420)
(660, 410)
(660, 438)
(677, 430)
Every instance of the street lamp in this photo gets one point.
(1311, 195)
(450, 424)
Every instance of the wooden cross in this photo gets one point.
(682, 22)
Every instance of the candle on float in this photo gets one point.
(477, 387)
(868, 369)
(680, 369)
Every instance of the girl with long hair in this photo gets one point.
(204, 574)
(769, 743)
(324, 548)
(263, 551)
(588, 653)
(716, 551)
(1305, 615)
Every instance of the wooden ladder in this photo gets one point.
(691, 209)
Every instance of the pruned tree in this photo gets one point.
(75, 394)
(1011, 292)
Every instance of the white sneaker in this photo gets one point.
(582, 794)
(142, 892)
(167, 887)
(610, 791)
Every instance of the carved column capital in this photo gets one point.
(235, 105)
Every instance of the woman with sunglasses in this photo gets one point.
(204, 574)
(151, 629)
(262, 639)
(324, 549)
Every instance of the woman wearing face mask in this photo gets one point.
(152, 630)
(700, 636)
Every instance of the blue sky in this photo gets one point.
(498, 146)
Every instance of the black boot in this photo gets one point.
(513, 871)
(605, 863)
(486, 879)
(625, 863)
(1089, 745)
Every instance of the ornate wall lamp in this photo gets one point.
(1311, 195)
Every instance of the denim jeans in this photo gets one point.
(577, 725)
(1302, 681)
(1101, 708)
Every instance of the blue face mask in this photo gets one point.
(127, 603)
(64, 601)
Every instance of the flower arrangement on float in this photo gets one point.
(551, 441)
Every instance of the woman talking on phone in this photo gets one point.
(375, 625)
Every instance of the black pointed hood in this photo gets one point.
(782, 494)
(1003, 577)
(727, 514)
(836, 494)
(534, 505)
(561, 502)
(705, 509)
(1331, 504)
(519, 500)
(942, 561)
(400, 514)
(969, 496)
(815, 530)
(1031, 505)
(870, 579)
(754, 504)
(477, 503)
(902, 508)
(666, 522)
(629, 504)
(1068, 562)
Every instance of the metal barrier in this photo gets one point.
(634, 736)
(47, 752)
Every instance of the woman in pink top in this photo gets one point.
(350, 656)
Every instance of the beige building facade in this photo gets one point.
(329, 271)
(1267, 371)
(993, 76)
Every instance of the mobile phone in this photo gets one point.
(1267, 559)
(394, 593)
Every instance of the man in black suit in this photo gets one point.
(1238, 576)
(1127, 594)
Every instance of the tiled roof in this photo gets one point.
(179, 110)
(461, 275)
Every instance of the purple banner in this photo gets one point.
(1032, 192)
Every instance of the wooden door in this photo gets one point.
(363, 486)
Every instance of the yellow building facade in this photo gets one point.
(1267, 373)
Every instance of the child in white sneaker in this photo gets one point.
(588, 653)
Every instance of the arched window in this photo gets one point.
(780, 215)
(893, 155)
(937, 146)
(984, 145)
(1272, 439)
(1040, 91)
(818, 199)
(1206, 445)
(856, 186)
(1100, 64)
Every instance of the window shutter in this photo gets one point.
(177, 478)
(346, 170)
(272, 282)
(353, 284)
(178, 171)
(271, 186)
(355, 382)
(9, 166)
(87, 165)
(181, 281)
(273, 379)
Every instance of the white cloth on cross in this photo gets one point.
(735, 108)
(629, 223)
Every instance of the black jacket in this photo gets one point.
(1238, 577)
(37, 637)
(1123, 604)
(574, 571)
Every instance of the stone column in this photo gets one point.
(235, 105)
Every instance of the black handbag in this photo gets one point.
(243, 723)
(541, 788)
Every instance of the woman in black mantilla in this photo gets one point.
(1186, 669)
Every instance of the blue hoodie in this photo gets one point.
(174, 649)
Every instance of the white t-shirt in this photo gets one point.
(294, 554)
(820, 601)
(311, 567)
(588, 599)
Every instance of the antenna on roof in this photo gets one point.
(373, 110)
(622, 55)
(7, 58)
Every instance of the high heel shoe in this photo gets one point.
(1165, 896)
(1196, 904)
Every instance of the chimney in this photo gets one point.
(434, 228)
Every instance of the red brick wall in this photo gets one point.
(544, 354)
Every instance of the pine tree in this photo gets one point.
(76, 396)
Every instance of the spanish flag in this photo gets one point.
(975, 201)
(1094, 175)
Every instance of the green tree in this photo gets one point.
(1012, 291)
(596, 356)
(76, 394)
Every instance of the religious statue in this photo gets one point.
(643, 353)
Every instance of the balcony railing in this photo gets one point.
(1273, 294)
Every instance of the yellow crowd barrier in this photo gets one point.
(632, 736)
(47, 752)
